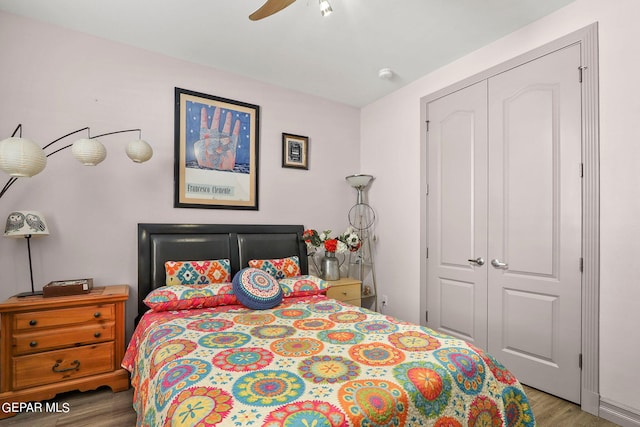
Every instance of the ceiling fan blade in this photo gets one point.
(269, 8)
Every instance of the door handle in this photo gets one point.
(499, 264)
(477, 261)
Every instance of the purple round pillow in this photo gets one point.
(256, 289)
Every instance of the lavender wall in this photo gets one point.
(55, 81)
(396, 118)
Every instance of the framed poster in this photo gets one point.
(295, 151)
(216, 152)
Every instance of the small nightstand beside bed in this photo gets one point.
(203, 357)
(54, 345)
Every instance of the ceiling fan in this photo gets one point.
(269, 8)
(273, 6)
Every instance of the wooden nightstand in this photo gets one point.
(58, 344)
(346, 289)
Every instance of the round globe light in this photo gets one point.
(89, 151)
(21, 157)
(139, 151)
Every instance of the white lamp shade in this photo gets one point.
(139, 151)
(89, 151)
(23, 223)
(359, 181)
(21, 157)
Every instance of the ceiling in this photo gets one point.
(336, 57)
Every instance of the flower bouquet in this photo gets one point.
(330, 266)
(347, 241)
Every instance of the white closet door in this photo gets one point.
(505, 186)
(534, 293)
(457, 291)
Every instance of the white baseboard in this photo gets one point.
(590, 402)
(618, 415)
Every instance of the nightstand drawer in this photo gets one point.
(33, 342)
(344, 292)
(64, 316)
(61, 365)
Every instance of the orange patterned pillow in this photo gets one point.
(279, 268)
(197, 272)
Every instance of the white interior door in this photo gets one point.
(534, 305)
(457, 277)
(504, 162)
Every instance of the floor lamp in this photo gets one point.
(26, 224)
(361, 218)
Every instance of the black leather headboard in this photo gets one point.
(158, 243)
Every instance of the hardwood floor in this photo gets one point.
(102, 408)
(551, 411)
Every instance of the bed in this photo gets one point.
(307, 361)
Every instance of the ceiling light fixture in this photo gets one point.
(20, 157)
(385, 73)
(325, 8)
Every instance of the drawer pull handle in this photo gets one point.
(96, 314)
(344, 293)
(33, 343)
(33, 322)
(75, 365)
(97, 334)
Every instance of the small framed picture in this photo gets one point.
(295, 151)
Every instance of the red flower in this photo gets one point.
(331, 245)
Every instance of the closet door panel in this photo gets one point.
(529, 180)
(534, 213)
(457, 291)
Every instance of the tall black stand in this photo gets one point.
(33, 292)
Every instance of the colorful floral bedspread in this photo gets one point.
(313, 363)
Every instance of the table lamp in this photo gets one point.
(26, 224)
